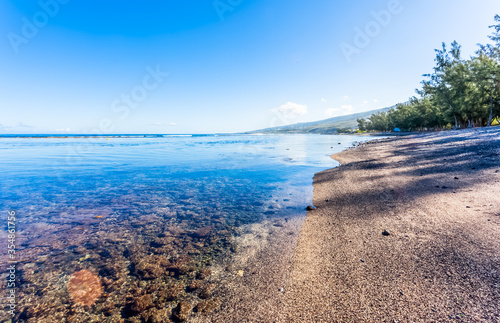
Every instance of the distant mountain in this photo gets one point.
(326, 126)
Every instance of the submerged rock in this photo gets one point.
(204, 232)
(181, 312)
(310, 208)
(207, 306)
(204, 273)
(194, 285)
(171, 292)
(206, 291)
(140, 304)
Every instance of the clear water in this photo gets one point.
(143, 212)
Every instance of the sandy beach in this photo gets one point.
(437, 195)
(436, 198)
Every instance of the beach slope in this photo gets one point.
(406, 230)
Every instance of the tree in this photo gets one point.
(446, 84)
(492, 50)
(485, 72)
(465, 92)
(378, 122)
(362, 124)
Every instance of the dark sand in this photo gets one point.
(438, 195)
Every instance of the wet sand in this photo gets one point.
(438, 197)
(253, 283)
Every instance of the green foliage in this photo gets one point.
(378, 122)
(345, 130)
(459, 93)
(362, 124)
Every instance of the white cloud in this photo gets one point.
(365, 102)
(172, 124)
(286, 113)
(343, 110)
(375, 100)
(323, 100)
(292, 110)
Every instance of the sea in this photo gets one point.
(139, 214)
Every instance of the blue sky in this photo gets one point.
(178, 66)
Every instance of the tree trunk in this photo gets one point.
(491, 111)
(456, 122)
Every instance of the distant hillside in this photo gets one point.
(323, 126)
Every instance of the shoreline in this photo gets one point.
(435, 195)
(253, 283)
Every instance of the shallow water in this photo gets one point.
(145, 216)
